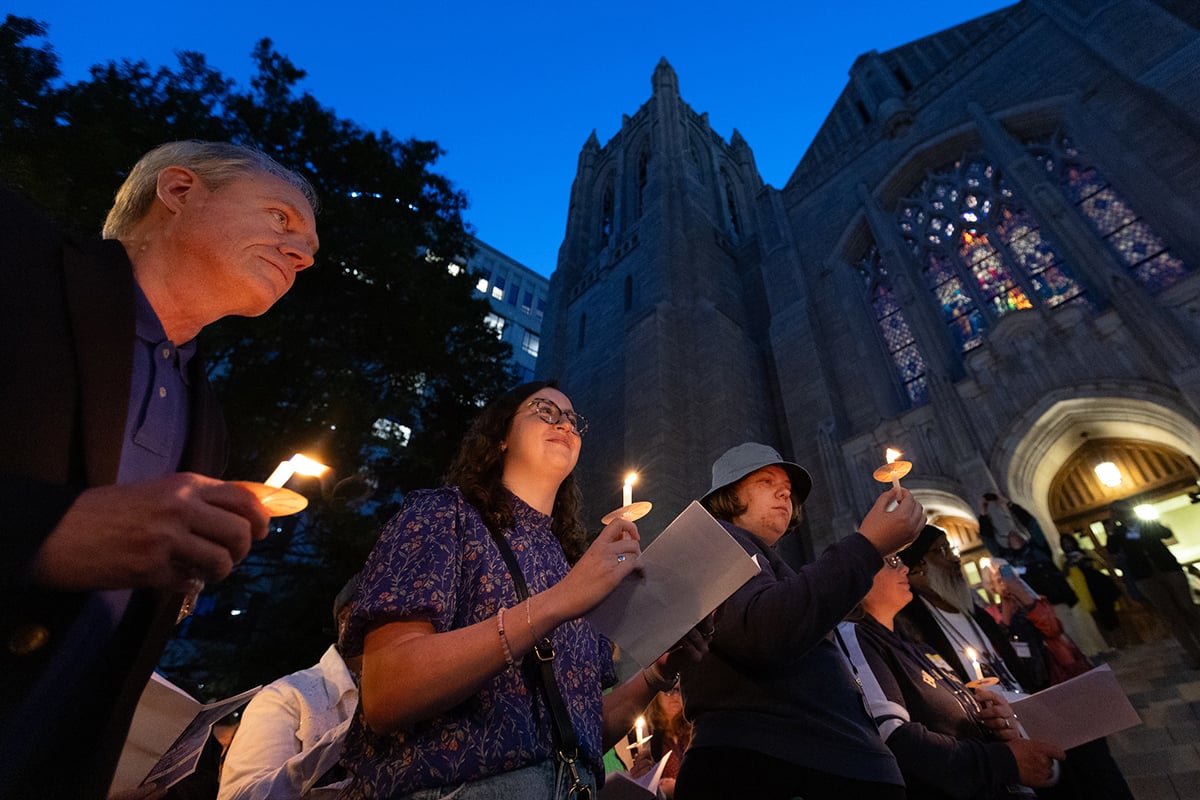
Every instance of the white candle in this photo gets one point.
(627, 489)
(971, 654)
(640, 726)
(891, 456)
(281, 475)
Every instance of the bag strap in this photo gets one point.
(564, 731)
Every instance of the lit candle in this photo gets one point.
(971, 654)
(893, 470)
(297, 463)
(627, 490)
(891, 456)
(640, 727)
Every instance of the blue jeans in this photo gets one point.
(546, 780)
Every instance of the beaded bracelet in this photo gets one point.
(508, 656)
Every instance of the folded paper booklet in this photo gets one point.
(1077, 711)
(689, 570)
(622, 786)
(167, 715)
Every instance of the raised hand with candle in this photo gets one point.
(461, 586)
(109, 424)
(893, 521)
(925, 713)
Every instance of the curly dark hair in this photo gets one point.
(479, 466)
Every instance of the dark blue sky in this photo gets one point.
(512, 90)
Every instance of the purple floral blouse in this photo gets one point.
(435, 559)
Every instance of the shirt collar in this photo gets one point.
(149, 329)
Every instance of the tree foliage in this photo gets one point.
(379, 334)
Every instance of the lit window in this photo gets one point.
(1143, 253)
(496, 323)
(498, 287)
(529, 343)
(390, 430)
(981, 253)
(482, 285)
(897, 335)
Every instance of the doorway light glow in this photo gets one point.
(1108, 473)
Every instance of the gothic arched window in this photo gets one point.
(643, 172)
(894, 329)
(981, 253)
(695, 153)
(735, 224)
(1135, 243)
(606, 215)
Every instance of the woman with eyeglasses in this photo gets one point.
(446, 705)
(950, 741)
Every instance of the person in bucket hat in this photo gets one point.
(776, 711)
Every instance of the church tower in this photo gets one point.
(655, 325)
(987, 258)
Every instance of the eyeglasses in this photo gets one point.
(946, 549)
(551, 414)
(893, 561)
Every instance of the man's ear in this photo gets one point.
(174, 186)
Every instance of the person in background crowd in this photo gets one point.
(110, 431)
(1096, 591)
(1159, 578)
(671, 734)
(950, 741)
(946, 616)
(775, 711)
(290, 738)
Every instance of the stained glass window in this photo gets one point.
(1135, 243)
(896, 333)
(982, 255)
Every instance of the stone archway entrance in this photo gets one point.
(1039, 444)
(1049, 456)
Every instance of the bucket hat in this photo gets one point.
(738, 462)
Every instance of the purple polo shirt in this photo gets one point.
(157, 423)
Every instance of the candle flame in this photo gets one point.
(630, 480)
(306, 466)
(892, 455)
(985, 563)
(971, 654)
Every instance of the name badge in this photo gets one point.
(1022, 649)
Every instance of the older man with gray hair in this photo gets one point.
(109, 431)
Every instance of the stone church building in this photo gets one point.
(988, 259)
